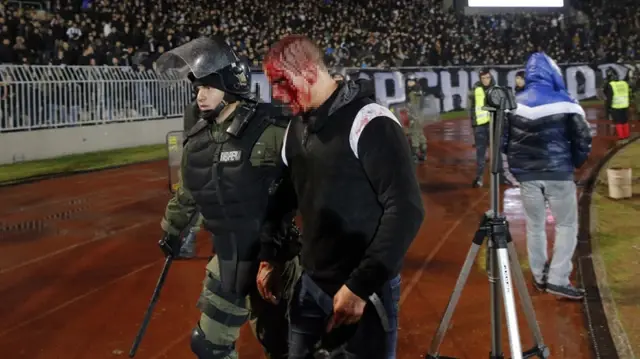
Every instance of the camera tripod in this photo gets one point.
(502, 258)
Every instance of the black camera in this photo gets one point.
(500, 98)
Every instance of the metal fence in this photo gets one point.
(37, 97)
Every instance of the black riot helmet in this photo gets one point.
(211, 62)
(612, 75)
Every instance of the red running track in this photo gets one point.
(78, 262)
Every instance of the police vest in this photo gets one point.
(482, 116)
(231, 194)
(620, 95)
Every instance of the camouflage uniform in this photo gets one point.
(416, 126)
(224, 313)
(228, 172)
(188, 248)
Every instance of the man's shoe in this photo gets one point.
(542, 286)
(568, 291)
(477, 182)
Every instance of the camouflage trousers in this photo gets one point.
(417, 139)
(223, 314)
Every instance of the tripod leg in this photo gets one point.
(494, 296)
(453, 300)
(527, 304)
(509, 303)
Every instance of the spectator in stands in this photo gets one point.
(360, 33)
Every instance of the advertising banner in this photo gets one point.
(451, 85)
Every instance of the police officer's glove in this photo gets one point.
(170, 245)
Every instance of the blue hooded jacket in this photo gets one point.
(547, 136)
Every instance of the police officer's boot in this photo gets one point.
(422, 153)
(417, 155)
(188, 248)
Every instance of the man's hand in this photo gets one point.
(347, 308)
(269, 282)
(170, 244)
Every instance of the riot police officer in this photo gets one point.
(415, 129)
(617, 98)
(228, 170)
(480, 121)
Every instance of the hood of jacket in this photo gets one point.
(544, 83)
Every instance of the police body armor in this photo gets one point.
(231, 194)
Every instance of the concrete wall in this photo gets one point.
(50, 143)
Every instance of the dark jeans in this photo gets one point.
(619, 116)
(481, 138)
(309, 314)
(393, 310)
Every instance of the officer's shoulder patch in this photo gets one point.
(199, 126)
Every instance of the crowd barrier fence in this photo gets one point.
(38, 97)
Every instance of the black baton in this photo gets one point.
(154, 299)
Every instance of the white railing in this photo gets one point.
(37, 97)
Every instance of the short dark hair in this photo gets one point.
(520, 74)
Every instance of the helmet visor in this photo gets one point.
(202, 56)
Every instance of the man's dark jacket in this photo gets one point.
(353, 180)
(547, 136)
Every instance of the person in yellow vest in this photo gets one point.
(617, 97)
(480, 121)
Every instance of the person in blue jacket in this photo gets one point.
(546, 139)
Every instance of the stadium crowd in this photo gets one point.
(359, 33)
